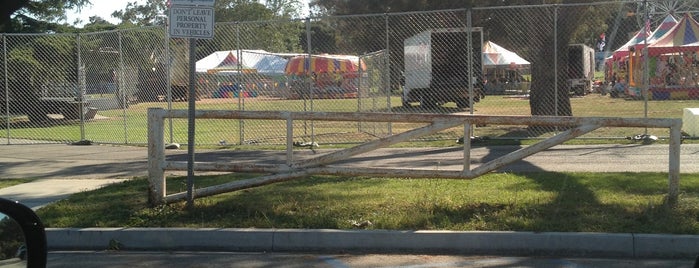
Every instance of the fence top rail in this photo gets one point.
(424, 118)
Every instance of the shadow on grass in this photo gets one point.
(575, 207)
(567, 204)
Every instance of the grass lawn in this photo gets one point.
(129, 126)
(565, 202)
(12, 182)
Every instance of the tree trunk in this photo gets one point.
(548, 96)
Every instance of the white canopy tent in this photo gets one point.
(247, 61)
(503, 69)
(497, 56)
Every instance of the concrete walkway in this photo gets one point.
(41, 192)
(72, 161)
(61, 170)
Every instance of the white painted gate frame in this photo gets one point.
(157, 164)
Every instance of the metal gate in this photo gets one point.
(323, 164)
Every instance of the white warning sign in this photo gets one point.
(192, 22)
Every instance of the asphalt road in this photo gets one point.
(89, 259)
(114, 162)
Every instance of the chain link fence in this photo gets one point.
(571, 60)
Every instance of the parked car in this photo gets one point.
(22, 236)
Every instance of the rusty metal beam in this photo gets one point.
(237, 185)
(376, 144)
(436, 122)
(530, 150)
(429, 118)
(233, 167)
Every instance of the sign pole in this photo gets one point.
(191, 121)
(191, 19)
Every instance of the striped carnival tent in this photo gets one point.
(678, 39)
(302, 65)
(663, 28)
(640, 37)
(623, 51)
(672, 62)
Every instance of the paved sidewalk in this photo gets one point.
(61, 170)
(41, 192)
(72, 161)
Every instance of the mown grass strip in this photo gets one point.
(562, 202)
(12, 182)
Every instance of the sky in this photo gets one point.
(105, 8)
(101, 8)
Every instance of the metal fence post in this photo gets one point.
(7, 91)
(646, 71)
(123, 94)
(156, 157)
(310, 82)
(239, 81)
(387, 75)
(469, 48)
(555, 59)
(168, 65)
(80, 96)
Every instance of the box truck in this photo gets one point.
(438, 70)
(581, 69)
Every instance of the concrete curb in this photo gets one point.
(622, 245)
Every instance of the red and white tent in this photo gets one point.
(683, 37)
(640, 37)
(325, 63)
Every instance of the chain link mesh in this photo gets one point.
(531, 60)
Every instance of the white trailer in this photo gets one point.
(581, 69)
(437, 68)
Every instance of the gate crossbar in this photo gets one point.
(292, 169)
